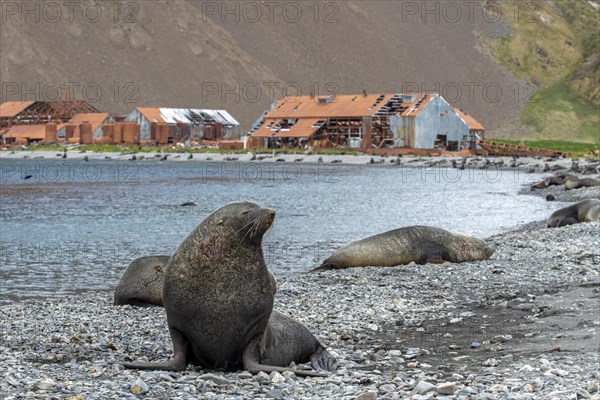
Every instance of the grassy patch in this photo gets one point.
(549, 42)
(556, 113)
(575, 149)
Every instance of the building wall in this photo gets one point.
(420, 132)
(145, 125)
(98, 132)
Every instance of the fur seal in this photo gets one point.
(142, 282)
(585, 211)
(421, 244)
(576, 183)
(218, 295)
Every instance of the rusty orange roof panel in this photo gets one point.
(96, 119)
(152, 114)
(264, 131)
(302, 128)
(340, 106)
(469, 120)
(10, 109)
(27, 131)
(413, 109)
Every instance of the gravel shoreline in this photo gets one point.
(522, 325)
(526, 163)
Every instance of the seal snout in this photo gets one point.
(270, 213)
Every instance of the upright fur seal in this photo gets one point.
(142, 282)
(421, 244)
(585, 211)
(218, 296)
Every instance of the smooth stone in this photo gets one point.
(424, 387)
(366, 396)
(46, 384)
(139, 387)
(446, 388)
(219, 380)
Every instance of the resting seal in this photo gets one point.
(421, 244)
(585, 211)
(218, 296)
(576, 183)
(142, 282)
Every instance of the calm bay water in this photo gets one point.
(73, 226)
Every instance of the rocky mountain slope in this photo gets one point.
(241, 55)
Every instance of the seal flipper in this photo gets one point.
(322, 359)
(179, 361)
(324, 267)
(251, 360)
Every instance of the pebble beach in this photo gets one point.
(524, 324)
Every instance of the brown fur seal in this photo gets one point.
(556, 180)
(142, 282)
(421, 244)
(576, 183)
(585, 211)
(218, 296)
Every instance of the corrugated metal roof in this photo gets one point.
(469, 120)
(10, 109)
(96, 119)
(303, 128)
(359, 105)
(27, 131)
(186, 115)
(413, 109)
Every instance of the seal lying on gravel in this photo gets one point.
(421, 244)
(585, 211)
(556, 180)
(576, 183)
(218, 296)
(142, 282)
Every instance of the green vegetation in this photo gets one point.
(574, 149)
(556, 113)
(549, 43)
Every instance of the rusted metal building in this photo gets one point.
(24, 134)
(96, 120)
(180, 124)
(366, 121)
(41, 112)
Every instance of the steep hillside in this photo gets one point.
(241, 55)
(555, 44)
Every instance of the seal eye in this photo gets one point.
(246, 212)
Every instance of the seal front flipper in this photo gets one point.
(179, 361)
(251, 360)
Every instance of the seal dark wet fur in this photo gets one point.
(142, 282)
(585, 211)
(218, 296)
(419, 244)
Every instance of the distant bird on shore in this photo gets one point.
(190, 156)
